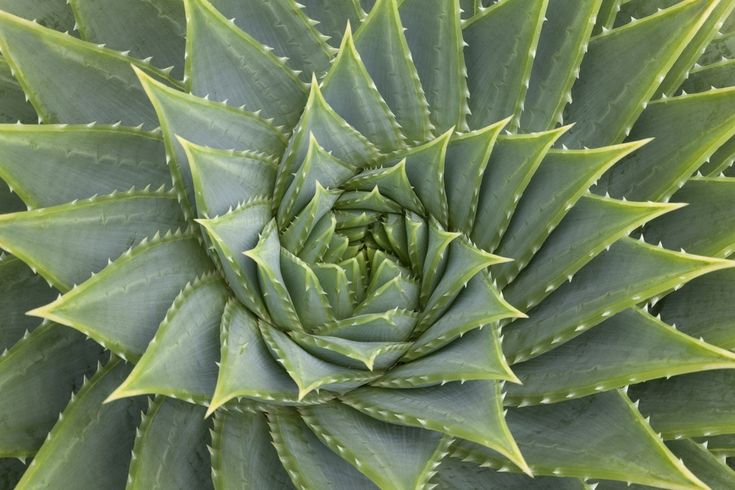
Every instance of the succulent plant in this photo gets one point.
(400, 244)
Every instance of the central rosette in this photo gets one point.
(349, 265)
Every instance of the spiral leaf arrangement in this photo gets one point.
(400, 244)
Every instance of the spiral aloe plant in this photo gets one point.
(395, 244)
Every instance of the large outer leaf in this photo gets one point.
(561, 47)
(20, 290)
(49, 165)
(122, 306)
(498, 78)
(477, 418)
(225, 63)
(78, 452)
(630, 272)
(629, 348)
(68, 242)
(284, 28)
(392, 456)
(691, 405)
(54, 14)
(607, 100)
(13, 104)
(147, 29)
(236, 465)
(703, 308)
(170, 449)
(57, 70)
(308, 462)
(686, 131)
(37, 376)
(434, 35)
(382, 44)
(180, 361)
(600, 436)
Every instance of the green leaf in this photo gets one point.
(592, 225)
(703, 78)
(206, 123)
(333, 16)
(693, 50)
(57, 71)
(464, 260)
(20, 290)
(606, 15)
(392, 456)
(225, 63)
(319, 166)
(381, 42)
(78, 452)
(244, 352)
(477, 418)
(37, 376)
(561, 47)
(686, 131)
(351, 92)
(267, 256)
(10, 202)
(719, 49)
(351, 353)
(122, 306)
(309, 372)
(691, 405)
(68, 242)
(706, 225)
(49, 165)
(628, 348)
(466, 159)
(434, 36)
(703, 308)
(339, 289)
(498, 78)
(223, 179)
(710, 469)
(13, 104)
(721, 445)
(11, 471)
(478, 304)
(180, 361)
(309, 299)
(417, 235)
(435, 258)
(629, 273)
(425, 171)
(477, 355)
(400, 292)
(308, 462)
(147, 29)
(392, 182)
(282, 26)
(332, 132)
(607, 101)
(601, 436)
(233, 233)
(389, 326)
(236, 465)
(54, 14)
(559, 182)
(513, 162)
(170, 450)
(453, 473)
(311, 232)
